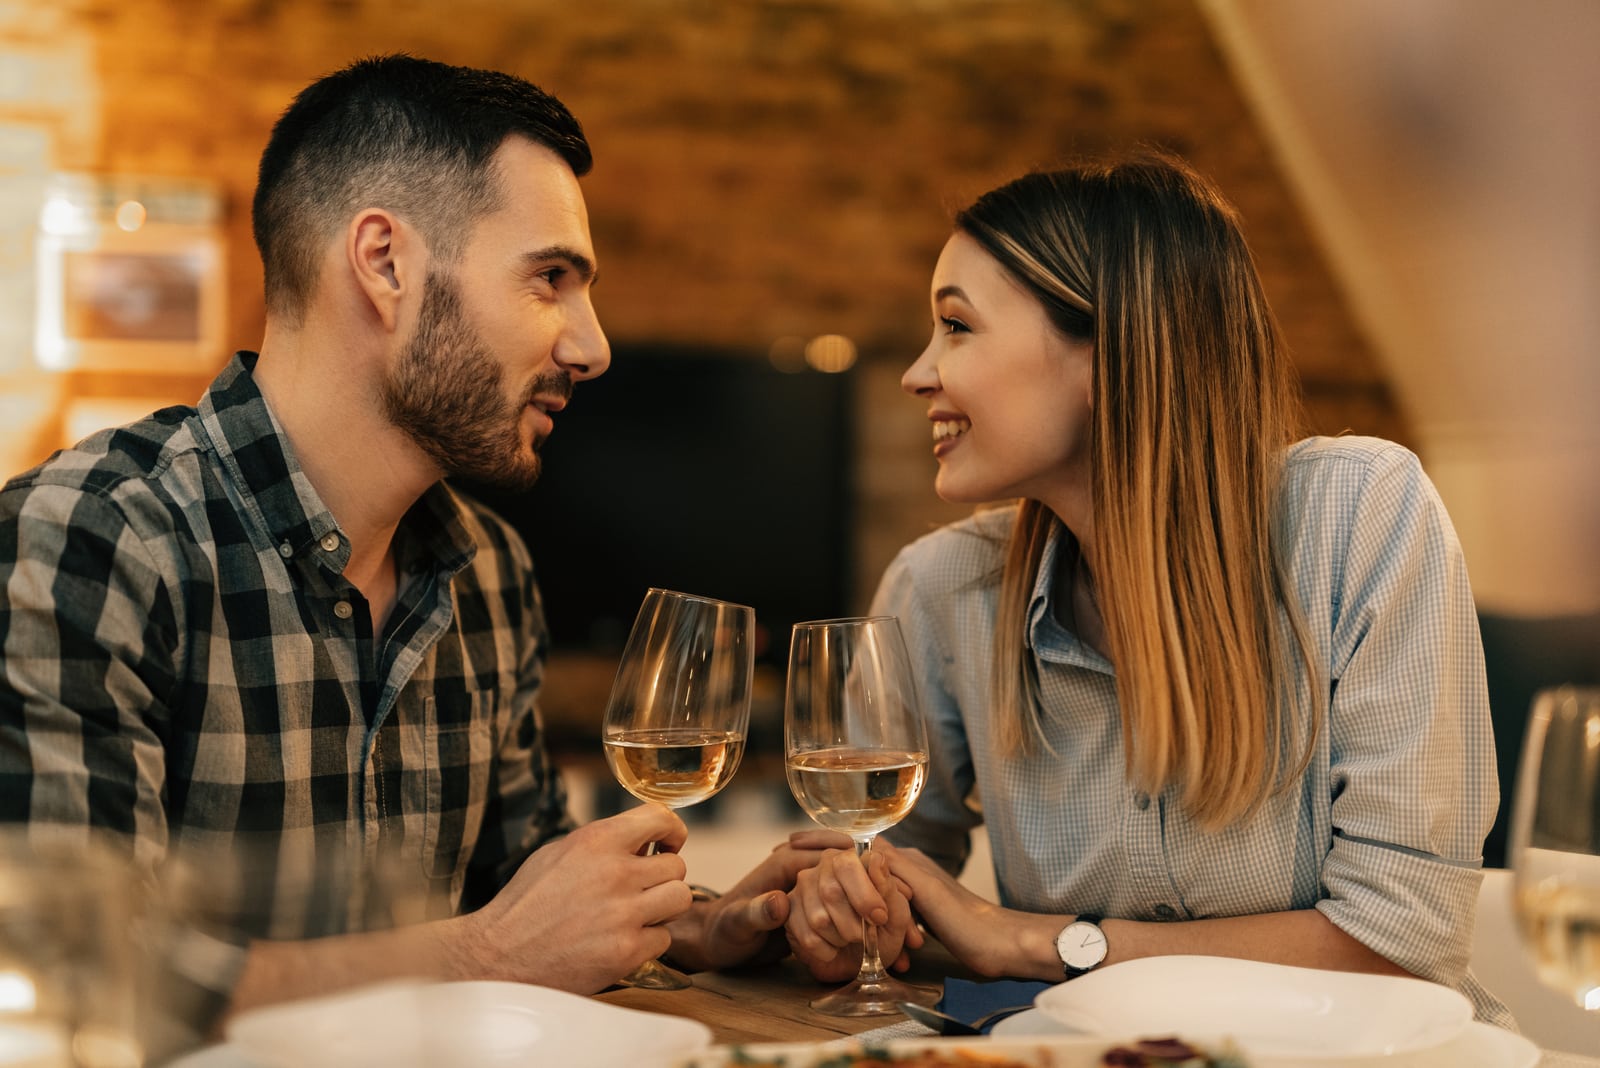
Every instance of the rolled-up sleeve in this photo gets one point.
(1413, 785)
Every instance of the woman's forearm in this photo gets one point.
(1303, 937)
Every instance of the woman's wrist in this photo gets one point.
(1030, 947)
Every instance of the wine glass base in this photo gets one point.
(874, 997)
(653, 975)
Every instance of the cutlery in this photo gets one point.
(949, 1025)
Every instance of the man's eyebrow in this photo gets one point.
(951, 291)
(584, 267)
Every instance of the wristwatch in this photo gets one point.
(1081, 944)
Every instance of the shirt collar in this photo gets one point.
(253, 448)
(1050, 640)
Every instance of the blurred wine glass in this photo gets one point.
(856, 756)
(1555, 842)
(69, 964)
(679, 711)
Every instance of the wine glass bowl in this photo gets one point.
(1555, 842)
(856, 758)
(679, 712)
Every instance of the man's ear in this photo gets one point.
(384, 256)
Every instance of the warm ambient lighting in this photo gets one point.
(130, 215)
(61, 216)
(831, 353)
(17, 993)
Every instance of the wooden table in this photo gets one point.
(769, 1003)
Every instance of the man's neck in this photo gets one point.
(366, 471)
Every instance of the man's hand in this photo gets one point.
(827, 906)
(745, 925)
(586, 910)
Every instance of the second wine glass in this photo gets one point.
(856, 756)
(1555, 842)
(679, 711)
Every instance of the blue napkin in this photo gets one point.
(967, 1001)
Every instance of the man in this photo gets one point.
(263, 637)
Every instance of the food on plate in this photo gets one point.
(918, 1053)
(965, 1057)
(1169, 1053)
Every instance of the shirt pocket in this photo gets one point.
(458, 747)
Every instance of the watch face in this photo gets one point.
(1081, 945)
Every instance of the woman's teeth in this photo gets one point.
(948, 429)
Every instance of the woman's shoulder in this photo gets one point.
(961, 553)
(1347, 466)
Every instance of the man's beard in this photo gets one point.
(446, 392)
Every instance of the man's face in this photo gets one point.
(502, 336)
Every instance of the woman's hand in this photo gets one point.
(981, 935)
(828, 904)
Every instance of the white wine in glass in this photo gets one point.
(856, 756)
(1555, 842)
(679, 711)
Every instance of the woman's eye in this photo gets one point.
(953, 326)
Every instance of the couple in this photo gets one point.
(1217, 691)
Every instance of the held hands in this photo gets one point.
(584, 910)
(829, 901)
(745, 925)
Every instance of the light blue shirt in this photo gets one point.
(1384, 831)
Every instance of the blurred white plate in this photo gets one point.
(1479, 1045)
(1293, 1015)
(451, 1025)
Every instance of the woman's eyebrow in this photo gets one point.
(951, 291)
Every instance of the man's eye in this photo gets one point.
(553, 275)
(953, 326)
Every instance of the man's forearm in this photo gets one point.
(281, 971)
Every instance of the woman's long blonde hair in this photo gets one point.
(1195, 402)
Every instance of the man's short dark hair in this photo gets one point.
(397, 132)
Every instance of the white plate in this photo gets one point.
(1479, 1045)
(1293, 1015)
(452, 1025)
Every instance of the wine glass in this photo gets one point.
(856, 756)
(1555, 842)
(679, 710)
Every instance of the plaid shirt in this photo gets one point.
(1384, 832)
(184, 667)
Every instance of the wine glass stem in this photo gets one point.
(871, 961)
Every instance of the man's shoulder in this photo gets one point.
(105, 463)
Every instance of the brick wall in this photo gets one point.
(763, 168)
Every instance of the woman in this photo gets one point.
(1211, 689)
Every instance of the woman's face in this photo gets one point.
(1008, 395)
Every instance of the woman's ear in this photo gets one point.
(379, 249)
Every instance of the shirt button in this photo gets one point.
(1141, 800)
(343, 610)
(330, 542)
(286, 550)
(1165, 911)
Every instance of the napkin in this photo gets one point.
(967, 1001)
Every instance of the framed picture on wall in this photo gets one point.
(130, 276)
